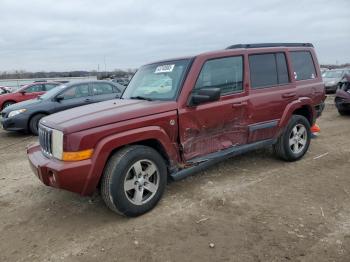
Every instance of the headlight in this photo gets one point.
(57, 144)
(16, 112)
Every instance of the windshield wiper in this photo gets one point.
(141, 98)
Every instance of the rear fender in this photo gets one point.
(290, 108)
(109, 144)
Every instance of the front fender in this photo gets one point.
(290, 108)
(107, 145)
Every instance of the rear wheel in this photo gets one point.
(6, 104)
(134, 180)
(34, 123)
(294, 142)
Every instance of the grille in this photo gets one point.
(4, 115)
(45, 137)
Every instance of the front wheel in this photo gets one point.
(34, 124)
(134, 180)
(295, 141)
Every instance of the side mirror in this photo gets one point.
(204, 95)
(59, 98)
(22, 92)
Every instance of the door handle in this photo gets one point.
(239, 104)
(87, 100)
(289, 95)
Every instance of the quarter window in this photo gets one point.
(303, 65)
(268, 70)
(224, 73)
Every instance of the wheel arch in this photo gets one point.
(154, 137)
(6, 101)
(301, 107)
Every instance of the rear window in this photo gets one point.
(303, 65)
(268, 70)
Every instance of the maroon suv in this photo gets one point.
(179, 116)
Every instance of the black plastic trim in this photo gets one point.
(202, 163)
(262, 45)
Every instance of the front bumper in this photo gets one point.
(16, 123)
(71, 176)
(342, 103)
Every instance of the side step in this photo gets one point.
(202, 163)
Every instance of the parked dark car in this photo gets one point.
(26, 92)
(178, 117)
(342, 96)
(332, 78)
(25, 116)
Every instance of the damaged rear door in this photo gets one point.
(213, 126)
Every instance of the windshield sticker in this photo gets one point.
(164, 69)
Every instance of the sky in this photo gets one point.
(64, 35)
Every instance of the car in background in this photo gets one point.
(121, 81)
(25, 116)
(4, 90)
(342, 96)
(25, 93)
(332, 78)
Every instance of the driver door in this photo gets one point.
(218, 125)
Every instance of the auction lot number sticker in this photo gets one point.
(164, 69)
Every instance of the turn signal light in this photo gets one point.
(77, 156)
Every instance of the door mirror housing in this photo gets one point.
(204, 95)
(22, 92)
(59, 98)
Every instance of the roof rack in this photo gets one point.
(270, 45)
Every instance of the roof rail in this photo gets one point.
(270, 45)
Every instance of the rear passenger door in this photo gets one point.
(271, 89)
(214, 126)
(104, 91)
(76, 95)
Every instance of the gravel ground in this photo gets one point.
(249, 208)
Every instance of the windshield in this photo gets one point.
(52, 92)
(160, 81)
(332, 74)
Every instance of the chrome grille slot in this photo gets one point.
(45, 137)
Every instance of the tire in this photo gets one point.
(291, 147)
(343, 112)
(6, 104)
(121, 188)
(34, 123)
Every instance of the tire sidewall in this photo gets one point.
(295, 120)
(34, 123)
(119, 172)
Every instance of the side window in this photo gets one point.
(102, 89)
(268, 70)
(49, 86)
(303, 65)
(225, 73)
(35, 88)
(77, 91)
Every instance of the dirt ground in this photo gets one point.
(251, 208)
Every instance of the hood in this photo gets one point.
(104, 113)
(28, 104)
